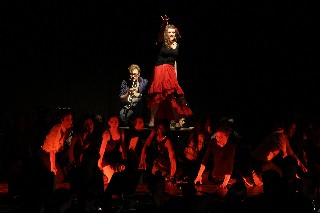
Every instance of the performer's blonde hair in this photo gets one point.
(133, 67)
(166, 36)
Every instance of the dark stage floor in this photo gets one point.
(207, 199)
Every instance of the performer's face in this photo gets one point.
(139, 124)
(222, 138)
(134, 74)
(89, 125)
(113, 122)
(161, 130)
(67, 121)
(171, 33)
(292, 129)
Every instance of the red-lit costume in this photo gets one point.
(165, 89)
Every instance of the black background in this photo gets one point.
(254, 60)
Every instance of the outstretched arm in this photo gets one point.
(172, 157)
(202, 166)
(123, 145)
(142, 164)
(105, 139)
(291, 152)
(225, 181)
(199, 176)
(53, 162)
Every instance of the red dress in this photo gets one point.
(165, 89)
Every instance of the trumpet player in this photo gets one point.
(132, 94)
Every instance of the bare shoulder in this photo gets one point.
(106, 134)
(168, 143)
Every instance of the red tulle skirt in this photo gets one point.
(166, 91)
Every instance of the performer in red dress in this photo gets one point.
(165, 96)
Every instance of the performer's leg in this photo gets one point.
(153, 112)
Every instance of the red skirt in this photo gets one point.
(166, 91)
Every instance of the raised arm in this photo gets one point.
(165, 20)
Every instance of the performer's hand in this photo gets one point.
(136, 94)
(54, 170)
(165, 19)
(142, 165)
(304, 169)
(223, 185)
(198, 180)
(170, 181)
(121, 168)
